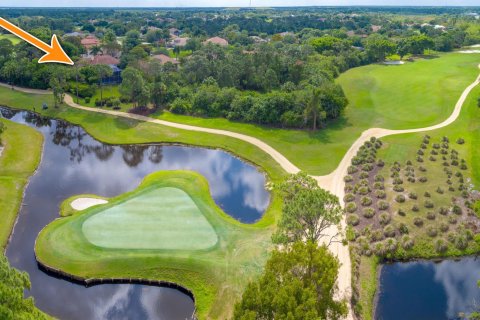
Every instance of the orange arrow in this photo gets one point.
(54, 51)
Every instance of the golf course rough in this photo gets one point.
(159, 218)
(184, 239)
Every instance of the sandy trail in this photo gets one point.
(332, 182)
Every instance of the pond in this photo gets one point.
(75, 163)
(428, 290)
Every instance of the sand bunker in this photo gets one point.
(469, 51)
(394, 63)
(85, 203)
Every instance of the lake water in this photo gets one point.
(75, 163)
(426, 290)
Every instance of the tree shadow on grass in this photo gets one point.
(324, 135)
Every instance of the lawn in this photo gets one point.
(215, 262)
(160, 218)
(108, 91)
(18, 161)
(413, 95)
(13, 39)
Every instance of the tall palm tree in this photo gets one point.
(314, 108)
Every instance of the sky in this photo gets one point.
(230, 3)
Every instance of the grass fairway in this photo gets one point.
(165, 218)
(13, 39)
(18, 161)
(215, 272)
(413, 95)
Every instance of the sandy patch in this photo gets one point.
(469, 51)
(394, 63)
(85, 203)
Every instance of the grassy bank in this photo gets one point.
(400, 148)
(413, 95)
(19, 159)
(216, 275)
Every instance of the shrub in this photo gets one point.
(378, 186)
(415, 208)
(363, 175)
(349, 197)
(422, 179)
(461, 242)
(376, 235)
(364, 190)
(420, 152)
(353, 219)
(352, 169)
(379, 249)
(398, 188)
(367, 167)
(384, 218)
(432, 231)
(418, 221)
(348, 178)
(439, 190)
(368, 212)
(400, 198)
(380, 194)
(422, 169)
(419, 159)
(452, 220)
(423, 146)
(443, 227)
(413, 195)
(457, 209)
(427, 194)
(434, 152)
(351, 207)
(379, 178)
(382, 205)
(432, 158)
(460, 141)
(397, 181)
(454, 162)
(391, 245)
(380, 163)
(407, 242)
(87, 100)
(436, 146)
(431, 215)
(389, 231)
(365, 201)
(440, 245)
(400, 212)
(428, 204)
(403, 228)
(348, 188)
(463, 166)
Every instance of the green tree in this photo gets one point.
(308, 212)
(58, 84)
(378, 47)
(313, 108)
(12, 285)
(133, 85)
(298, 283)
(103, 71)
(157, 93)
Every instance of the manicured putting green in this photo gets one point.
(162, 218)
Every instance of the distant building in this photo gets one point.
(89, 42)
(104, 59)
(174, 32)
(178, 42)
(217, 40)
(74, 34)
(165, 59)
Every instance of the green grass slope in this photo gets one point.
(19, 159)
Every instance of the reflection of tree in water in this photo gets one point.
(155, 154)
(7, 113)
(72, 137)
(37, 120)
(133, 155)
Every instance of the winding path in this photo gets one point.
(332, 182)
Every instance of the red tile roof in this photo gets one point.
(105, 59)
(164, 59)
